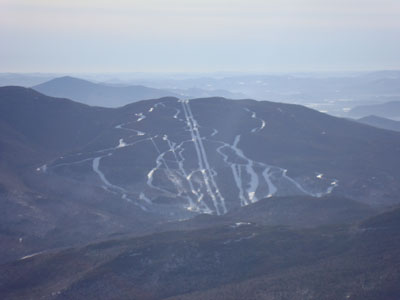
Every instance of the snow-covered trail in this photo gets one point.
(254, 116)
(98, 155)
(208, 176)
(107, 184)
(182, 170)
(252, 178)
(256, 180)
(185, 176)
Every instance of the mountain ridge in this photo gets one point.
(390, 110)
(96, 184)
(96, 94)
(380, 122)
(273, 263)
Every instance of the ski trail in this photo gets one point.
(161, 155)
(202, 160)
(96, 169)
(107, 185)
(254, 182)
(178, 177)
(174, 175)
(121, 144)
(295, 183)
(71, 163)
(248, 189)
(203, 151)
(254, 116)
(120, 126)
(236, 172)
(199, 158)
(170, 174)
(143, 197)
(178, 111)
(150, 177)
(141, 117)
(250, 182)
(200, 205)
(181, 169)
(271, 187)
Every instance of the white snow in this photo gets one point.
(271, 187)
(238, 224)
(249, 167)
(121, 144)
(31, 255)
(209, 181)
(178, 111)
(96, 169)
(42, 169)
(141, 117)
(254, 116)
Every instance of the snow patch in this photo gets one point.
(121, 144)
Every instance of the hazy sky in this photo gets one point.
(198, 35)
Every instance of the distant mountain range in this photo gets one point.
(334, 93)
(380, 122)
(24, 79)
(204, 93)
(105, 95)
(389, 110)
(98, 94)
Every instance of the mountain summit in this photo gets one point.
(96, 94)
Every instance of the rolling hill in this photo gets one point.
(390, 110)
(235, 261)
(380, 122)
(95, 94)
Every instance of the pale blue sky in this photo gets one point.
(199, 35)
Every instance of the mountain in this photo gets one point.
(49, 124)
(235, 261)
(46, 212)
(202, 199)
(180, 158)
(380, 122)
(98, 94)
(390, 110)
(24, 79)
(74, 173)
(203, 93)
